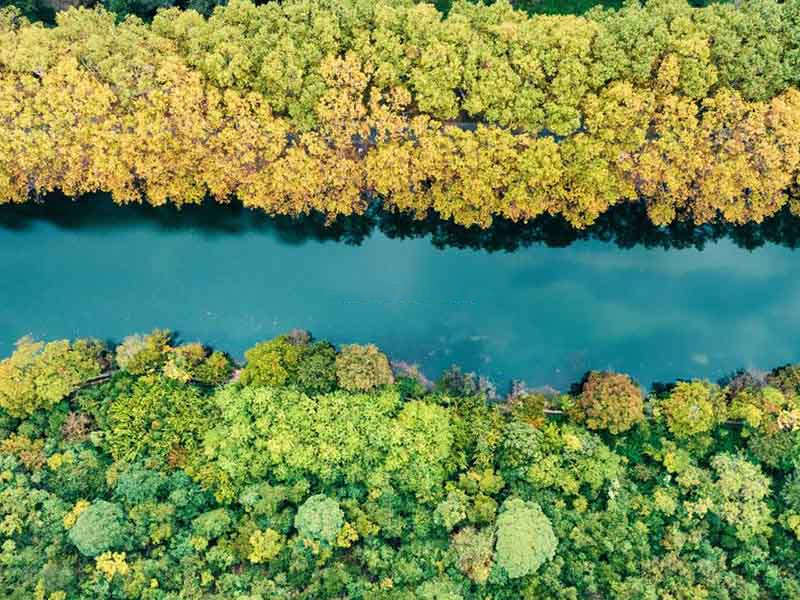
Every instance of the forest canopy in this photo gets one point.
(161, 471)
(320, 106)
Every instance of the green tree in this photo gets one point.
(692, 408)
(739, 495)
(159, 421)
(525, 538)
(99, 528)
(362, 368)
(319, 518)
(272, 363)
(38, 375)
(193, 362)
(141, 354)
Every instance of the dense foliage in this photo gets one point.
(320, 106)
(142, 482)
(45, 10)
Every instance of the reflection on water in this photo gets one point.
(555, 302)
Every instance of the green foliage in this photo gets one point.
(193, 362)
(158, 420)
(99, 528)
(557, 458)
(525, 538)
(137, 484)
(38, 375)
(786, 379)
(451, 511)
(316, 373)
(609, 401)
(692, 408)
(362, 368)
(213, 523)
(271, 363)
(152, 487)
(140, 8)
(141, 354)
(369, 440)
(319, 518)
(266, 545)
(474, 549)
(291, 359)
(440, 589)
(739, 496)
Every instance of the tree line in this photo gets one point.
(304, 107)
(320, 472)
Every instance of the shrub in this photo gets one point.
(362, 368)
(525, 538)
(609, 401)
(98, 528)
(38, 375)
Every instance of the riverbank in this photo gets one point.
(316, 472)
(291, 118)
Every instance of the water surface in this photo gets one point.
(544, 314)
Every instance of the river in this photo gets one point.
(230, 278)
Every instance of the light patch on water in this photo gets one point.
(699, 359)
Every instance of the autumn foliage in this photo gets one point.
(322, 106)
(609, 401)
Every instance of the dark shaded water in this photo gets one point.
(622, 295)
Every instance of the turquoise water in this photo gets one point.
(544, 314)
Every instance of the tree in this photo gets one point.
(316, 373)
(38, 375)
(158, 420)
(739, 494)
(141, 354)
(609, 401)
(362, 368)
(474, 549)
(319, 518)
(266, 545)
(525, 538)
(193, 362)
(692, 408)
(272, 363)
(99, 528)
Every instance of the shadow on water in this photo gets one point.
(626, 225)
